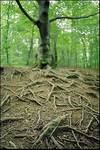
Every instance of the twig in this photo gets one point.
(56, 143)
(70, 17)
(89, 124)
(76, 140)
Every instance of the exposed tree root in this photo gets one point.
(59, 146)
(76, 140)
(5, 110)
(88, 126)
(23, 135)
(73, 75)
(13, 144)
(50, 128)
(53, 74)
(5, 99)
(71, 109)
(82, 118)
(8, 119)
(32, 100)
(67, 127)
(50, 93)
(40, 95)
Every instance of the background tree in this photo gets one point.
(43, 24)
(20, 32)
(6, 46)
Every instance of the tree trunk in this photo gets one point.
(44, 57)
(55, 49)
(7, 33)
(30, 50)
(84, 53)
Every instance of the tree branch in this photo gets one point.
(68, 17)
(25, 13)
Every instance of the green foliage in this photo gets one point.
(77, 42)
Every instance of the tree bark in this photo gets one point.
(44, 57)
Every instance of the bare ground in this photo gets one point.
(46, 109)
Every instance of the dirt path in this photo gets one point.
(49, 109)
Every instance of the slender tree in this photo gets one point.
(84, 53)
(30, 49)
(55, 48)
(7, 32)
(43, 24)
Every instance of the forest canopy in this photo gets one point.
(76, 41)
(49, 74)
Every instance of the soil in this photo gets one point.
(49, 109)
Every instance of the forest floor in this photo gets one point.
(50, 109)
